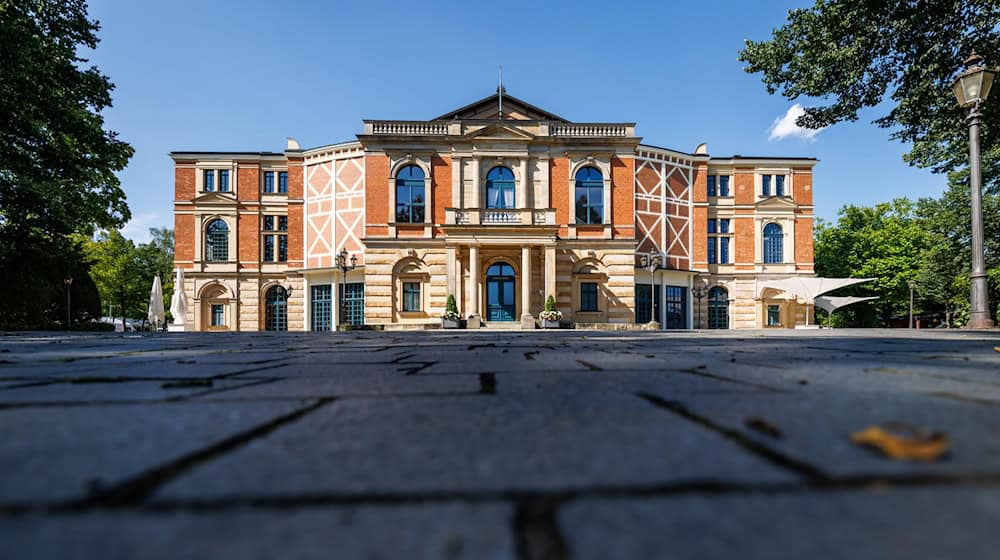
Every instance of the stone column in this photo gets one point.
(527, 320)
(472, 311)
(550, 271)
(476, 187)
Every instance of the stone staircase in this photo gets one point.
(502, 325)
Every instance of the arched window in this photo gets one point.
(500, 188)
(410, 195)
(718, 308)
(276, 309)
(589, 196)
(773, 241)
(217, 241)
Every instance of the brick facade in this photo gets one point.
(499, 252)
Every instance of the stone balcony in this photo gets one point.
(500, 216)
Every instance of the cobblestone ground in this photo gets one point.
(495, 445)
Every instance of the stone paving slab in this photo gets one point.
(359, 384)
(477, 444)
(850, 525)
(816, 427)
(530, 445)
(50, 455)
(434, 531)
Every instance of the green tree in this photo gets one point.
(57, 162)
(157, 258)
(901, 54)
(886, 242)
(118, 272)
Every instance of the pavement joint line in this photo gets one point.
(487, 383)
(216, 390)
(963, 398)
(704, 373)
(416, 368)
(589, 365)
(537, 532)
(140, 487)
(558, 495)
(897, 371)
(807, 471)
(35, 383)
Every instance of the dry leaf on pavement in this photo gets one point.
(903, 442)
(762, 426)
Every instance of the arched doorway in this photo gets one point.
(500, 292)
(718, 308)
(276, 309)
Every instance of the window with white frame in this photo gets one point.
(720, 237)
(217, 241)
(718, 185)
(772, 185)
(274, 238)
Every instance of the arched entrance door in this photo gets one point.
(718, 308)
(276, 309)
(500, 292)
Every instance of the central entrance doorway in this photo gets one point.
(500, 292)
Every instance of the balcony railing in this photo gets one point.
(592, 130)
(500, 216)
(408, 128)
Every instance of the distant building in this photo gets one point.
(499, 212)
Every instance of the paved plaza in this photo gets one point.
(540, 444)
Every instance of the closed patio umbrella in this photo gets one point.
(155, 314)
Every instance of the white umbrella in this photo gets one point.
(832, 303)
(155, 314)
(809, 287)
(178, 303)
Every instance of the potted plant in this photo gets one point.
(551, 316)
(450, 318)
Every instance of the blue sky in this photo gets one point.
(246, 75)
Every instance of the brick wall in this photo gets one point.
(183, 182)
(804, 243)
(184, 238)
(623, 196)
(248, 228)
(802, 186)
(248, 181)
(743, 229)
(441, 187)
(559, 185)
(743, 186)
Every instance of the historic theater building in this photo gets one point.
(500, 204)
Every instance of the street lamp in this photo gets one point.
(971, 88)
(912, 286)
(699, 292)
(68, 281)
(651, 262)
(341, 262)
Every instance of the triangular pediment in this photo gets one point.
(216, 197)
(777, 202)
(513, 109)
(500, 131)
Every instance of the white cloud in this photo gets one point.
(785, 127)
(137, 229)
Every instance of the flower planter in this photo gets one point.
(449, 323)
(550, 324)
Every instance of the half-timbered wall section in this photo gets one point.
(335, 203)
(663, 196)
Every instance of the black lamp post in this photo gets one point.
(68, 282)
(699, 292)
(912, 286)
(971, 89)
(651, 262)
(341, 262)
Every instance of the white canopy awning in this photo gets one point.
(832, 303)
(808, 287)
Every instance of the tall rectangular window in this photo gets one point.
(282, 248)
(779, 185)
(711, 185)
(773, 316)
(218, 315)
(282, 181)
(723, 250)
(268, 223)
(765, 182)
(711, 226)
(209, 176)
(724, 225)
(411, 296)
(321, 308)
(269, 181)
(223, 180)
(675, 308)
(282, 223)
(588, 296)
(723, 185)
(268, 248)
(711, 250)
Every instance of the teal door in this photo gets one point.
(500, 292)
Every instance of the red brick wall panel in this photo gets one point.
(248, 229)
(376, 194)
(623, 196)
(743, 186)
(248, 182)
(184, 183)
(441, 180)
(559, 183)
(184, 237)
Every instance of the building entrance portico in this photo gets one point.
(500, 302)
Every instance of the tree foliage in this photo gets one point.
(124, 271)
(885, 242)
(849, 55)
(57, 162)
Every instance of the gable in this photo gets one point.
(489, 107)
(497, 131)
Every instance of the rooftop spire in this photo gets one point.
(500, 92)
